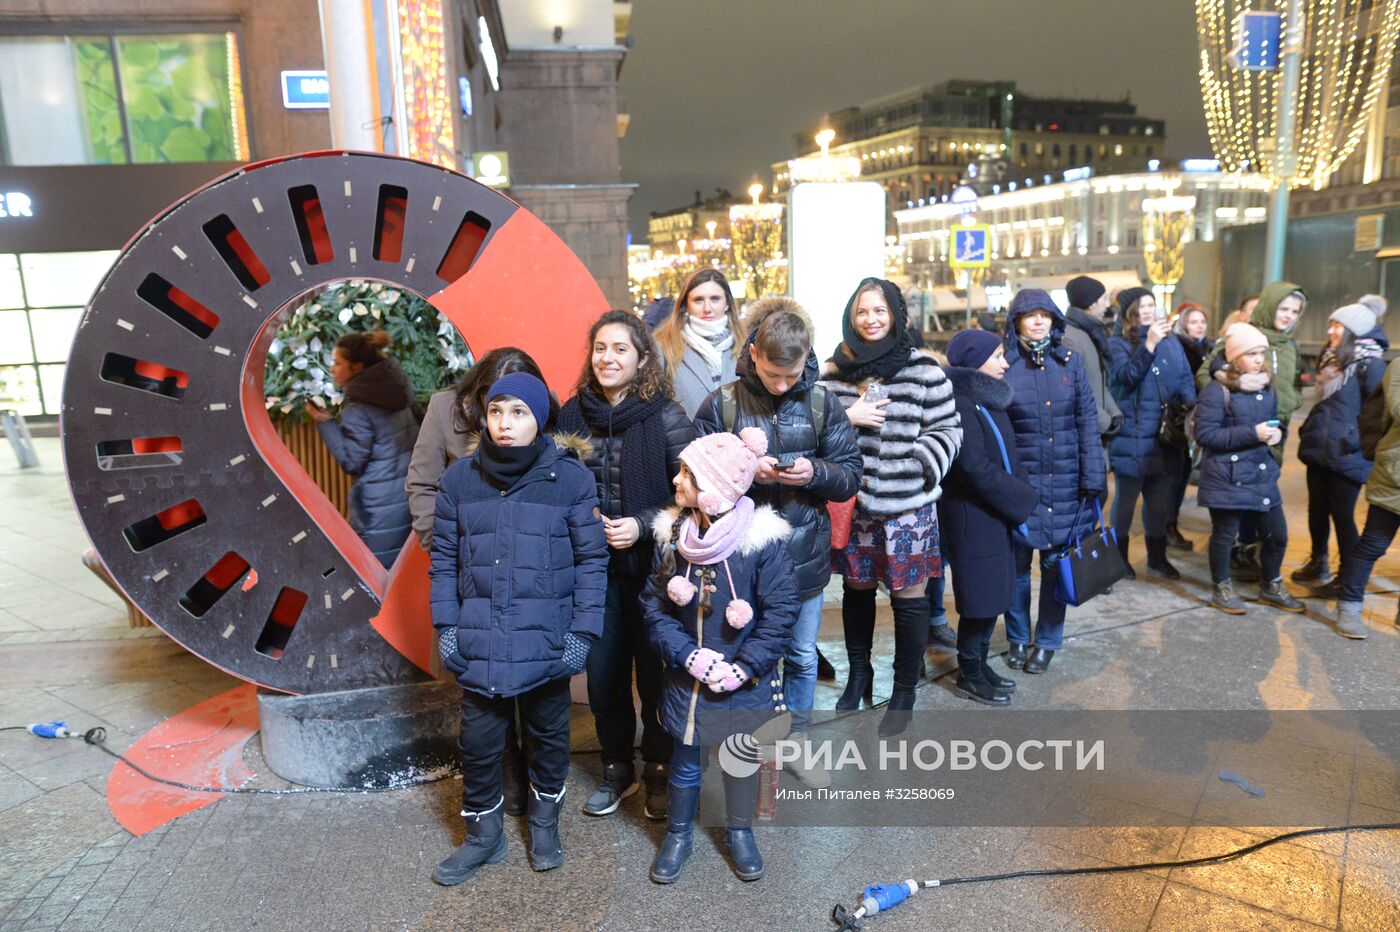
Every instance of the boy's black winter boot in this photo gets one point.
(740, 797)
(1157, 561)
(910, 632)
(680, 833)
(1123, 543)
(858, 620)
(542, 815)
(485, 844)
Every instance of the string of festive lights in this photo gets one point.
(1345, 57)
(427, 103)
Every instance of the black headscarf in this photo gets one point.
(855, 359)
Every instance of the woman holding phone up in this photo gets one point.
(901, 404)
(1147, 373)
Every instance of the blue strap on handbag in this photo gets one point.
(1005, 459)
(1067, 591)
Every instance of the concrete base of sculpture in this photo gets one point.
(367, 738)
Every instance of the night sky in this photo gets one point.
(716, 88)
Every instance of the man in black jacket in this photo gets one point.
(812, 459)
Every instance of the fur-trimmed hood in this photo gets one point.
(979, 387)
(766, 527)
(567, 444)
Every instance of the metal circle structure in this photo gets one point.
(203, 517)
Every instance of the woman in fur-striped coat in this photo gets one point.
(909, 432)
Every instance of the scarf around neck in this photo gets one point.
(710, 339)
(721, 539)
(503, 466)
(639, 423)
(1331, 375)
(857, 360)
(1036, 348)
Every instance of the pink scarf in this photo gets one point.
(722, 539)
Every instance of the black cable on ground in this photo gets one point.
(855, 919)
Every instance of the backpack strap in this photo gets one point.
(817, 399)
(726, 407)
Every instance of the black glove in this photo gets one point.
(1090, 495)
(1115, 426)
(575, 653)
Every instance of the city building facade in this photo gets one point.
(918, 144)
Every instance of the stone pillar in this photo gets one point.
(558, 114)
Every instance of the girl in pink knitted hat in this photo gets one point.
(719, 610)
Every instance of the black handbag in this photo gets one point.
(1171, 429)
(1090, 563)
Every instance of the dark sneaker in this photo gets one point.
(942, 637)
(619, 782)
(1330, 590)
(1313, 571)
(654, 778)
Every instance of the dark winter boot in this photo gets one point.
(485, 844)
(515, 782)
(542, 815)
(740, 796)
(1123, 542)
(1313, 571)
(910, 632)
(680, 832)
(858, 620)
(825, 671)
(991, 676)
(1175, 540)
(973, 684)
(1273, 593)
(1157, 561)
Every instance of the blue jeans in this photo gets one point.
(688, 764)
(1050, 628)
(800, 663)
(937, 614)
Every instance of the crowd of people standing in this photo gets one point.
(672, 522)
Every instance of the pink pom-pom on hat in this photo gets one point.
(723, 466)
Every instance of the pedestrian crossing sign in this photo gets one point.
(970, 247)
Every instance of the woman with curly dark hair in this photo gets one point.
(631, 435)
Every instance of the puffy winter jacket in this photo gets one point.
(515, 571)
(1331, 436)
(1383, 488)
(1142, 381)
(602, 454)
(836, 462)
(373, 442)
(1056, 423)
(907, 457)
(982, 503)
(761, 571)
(1282, 355)
(1237, 470)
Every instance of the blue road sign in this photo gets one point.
(1258, 34)
(970, 247)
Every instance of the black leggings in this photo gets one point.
(1273, 541)
(1331, 503)
(974, 634)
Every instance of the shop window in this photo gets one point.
(84, 100)
(41, 298)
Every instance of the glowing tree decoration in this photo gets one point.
(1344, 50)
(427, 104)
(1166, 229)
(756, 237)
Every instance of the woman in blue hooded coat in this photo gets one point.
(1057, 436)
(1147, 372)
(373, 440)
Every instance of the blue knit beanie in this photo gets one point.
(528, 389)
(971, 348)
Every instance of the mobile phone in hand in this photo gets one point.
(875, 391)
(1273, 422)
(787, 460)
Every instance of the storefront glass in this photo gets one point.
(42, 296)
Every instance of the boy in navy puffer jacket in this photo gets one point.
(1236, 424)
(519, 569)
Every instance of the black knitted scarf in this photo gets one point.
(503, 466)
(646, 481)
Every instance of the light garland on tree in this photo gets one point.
(1166, 229)
(756, 238)
(1345, 62)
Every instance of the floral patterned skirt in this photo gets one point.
(900, 552)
